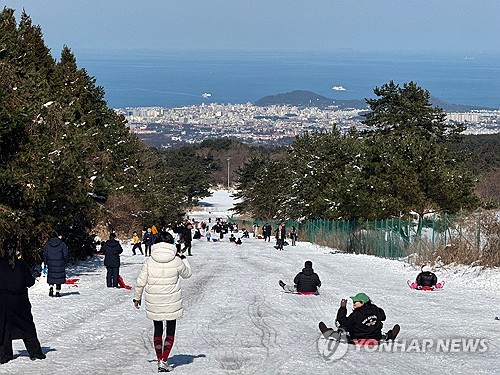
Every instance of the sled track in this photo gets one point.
(267, 333)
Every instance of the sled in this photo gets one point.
(414, 286)
(74, 281)
(122, 284)
(303, 293)
(341, 336)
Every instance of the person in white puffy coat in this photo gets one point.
(160, 280)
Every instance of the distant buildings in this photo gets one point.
(272, 125)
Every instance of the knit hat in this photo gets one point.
(361, 297)
(308, 264)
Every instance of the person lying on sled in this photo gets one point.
(363, 325)
(426, 280)
(306, 281)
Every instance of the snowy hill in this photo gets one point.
(238, 320)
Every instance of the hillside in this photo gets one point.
(301, 98)
(237, 320)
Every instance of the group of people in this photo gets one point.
(364, 325)
(159, 281)
(280, 234)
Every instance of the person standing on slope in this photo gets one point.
(112, 250)
(159, 278)
(137, 243)
(148, 240)
(55, 257)
(16, 320)
(280, 236)
(187, 238)
(293, 235)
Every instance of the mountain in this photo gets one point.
(302, 98)
(451, 107)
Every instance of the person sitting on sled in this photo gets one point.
(306, 281)
(426, 280)
(363, 325)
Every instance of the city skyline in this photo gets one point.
(322, 25)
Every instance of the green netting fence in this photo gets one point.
(391, 238)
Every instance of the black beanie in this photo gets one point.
(308, 264)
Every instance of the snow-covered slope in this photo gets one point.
(239, 321)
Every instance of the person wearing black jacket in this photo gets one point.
(280, 233)
(187, 238)
(148, 240)
(112, 250)
(55, 257)
(306, 281)
(426, 278)
(16, 320)
(364, 323)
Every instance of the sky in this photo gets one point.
(319, 25)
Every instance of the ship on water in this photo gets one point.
(206, 95)
(338, 88)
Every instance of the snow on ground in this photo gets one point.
(238, 320)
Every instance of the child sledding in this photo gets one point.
(363, 326)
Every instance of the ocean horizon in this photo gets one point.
(180, 78)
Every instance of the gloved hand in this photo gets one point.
(343, 303)
(45, 270)
(137, 303)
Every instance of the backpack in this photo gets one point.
(426, 278)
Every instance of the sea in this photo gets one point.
(145, 78)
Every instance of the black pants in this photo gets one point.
(163, 346)
(148, 247)
(187, 246)
(137, 246)
(112, 276)
(158, 324)
(31, 343)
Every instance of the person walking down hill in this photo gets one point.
(16, 320)
(137, 243)
(160, 279)
(148, 240)
(112, 250)
(55, 257)
(306, 282)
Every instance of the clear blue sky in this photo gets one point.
(381, 25)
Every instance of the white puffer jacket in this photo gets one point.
(159, 277)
